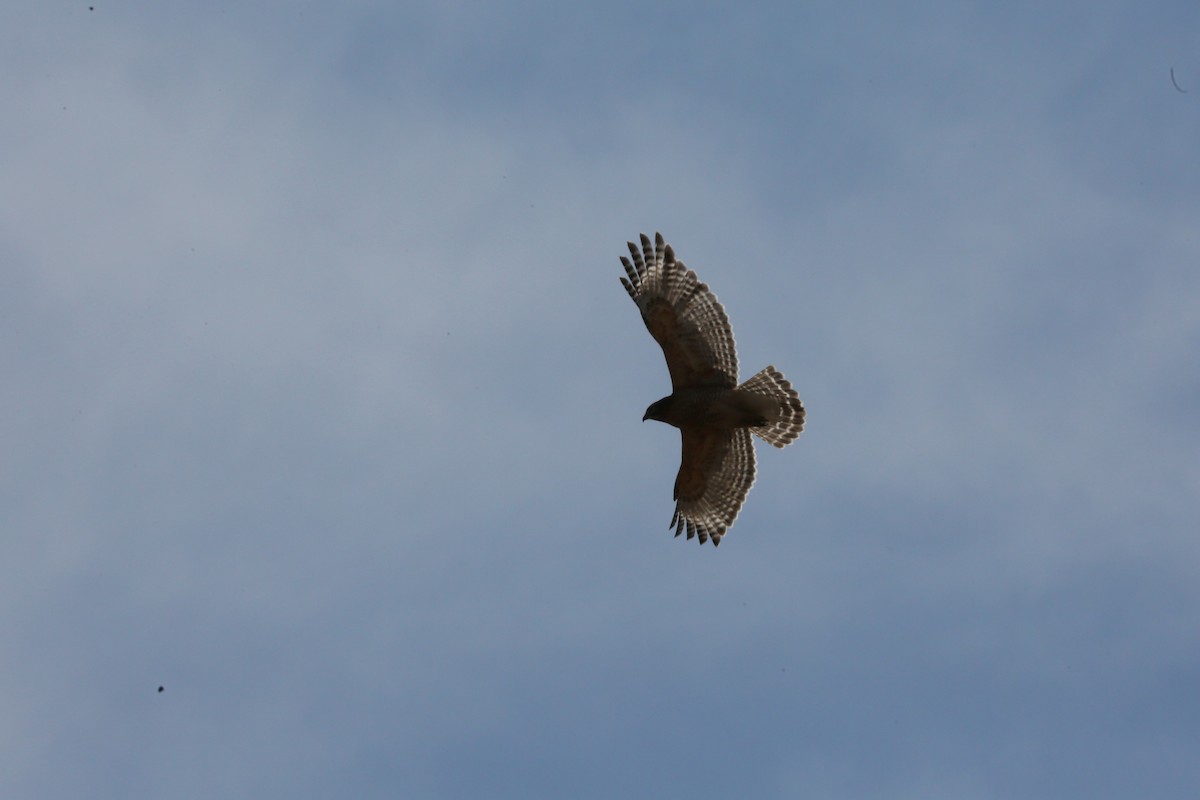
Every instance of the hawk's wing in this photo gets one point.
(682, 314)
(715, 475)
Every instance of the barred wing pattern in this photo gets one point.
(714, 479)
(682, 315)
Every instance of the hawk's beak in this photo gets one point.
(645, 416)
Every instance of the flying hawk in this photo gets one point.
(715, 415)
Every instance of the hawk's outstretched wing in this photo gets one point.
(683, 316)
(715, 476)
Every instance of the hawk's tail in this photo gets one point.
(783, 429)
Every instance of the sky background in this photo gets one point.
(320, 400)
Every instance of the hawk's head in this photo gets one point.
(658, 410)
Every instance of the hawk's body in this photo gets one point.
(715, 415)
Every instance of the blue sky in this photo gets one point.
(322, 401)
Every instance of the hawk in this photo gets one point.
(715, 415)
